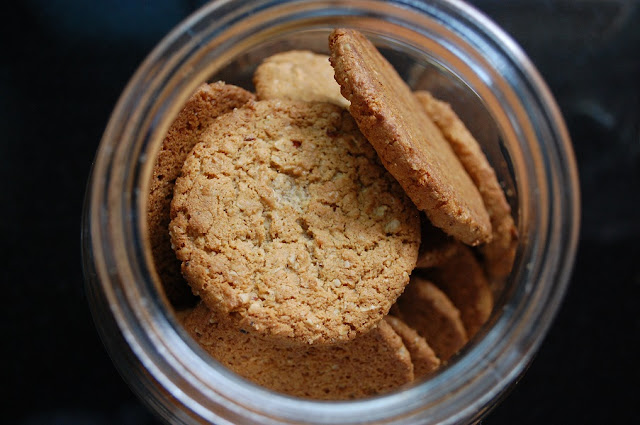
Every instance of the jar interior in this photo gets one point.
(422, 70)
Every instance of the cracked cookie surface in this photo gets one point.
(284, 216)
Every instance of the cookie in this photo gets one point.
(423, 358)
(371, 364)
(463, 280)
(436, 247)
(298, 75)
(285, 216)
(207, 103)
(429, 311)
(410, 145)
(499, 253)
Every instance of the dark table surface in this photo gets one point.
(62, 67)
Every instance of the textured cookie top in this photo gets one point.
(410, 145)
(208, 102)
(298, 75)
(499, 253)
(371, 364)
(284, 216)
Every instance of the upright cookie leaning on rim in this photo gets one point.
(284, 216)
(410, 145)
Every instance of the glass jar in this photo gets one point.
(444, 46)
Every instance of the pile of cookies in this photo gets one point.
(338, 232)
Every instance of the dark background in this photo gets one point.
(62, 67)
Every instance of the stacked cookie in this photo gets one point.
(326, 229)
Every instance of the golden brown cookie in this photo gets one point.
(371, 364)
(500, 251)
(435, 246)
(427, 309)
(207, 103)
(463, 280)
(284, 215)
(423, 358)
(411, 147)
(298, 75)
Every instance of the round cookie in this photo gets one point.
(371, 364)
(206, 104)
(427, 309)
(423, 358)
(463, 280)
(284, 216)
(499, 253)
(410, 145)
(298, 75)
